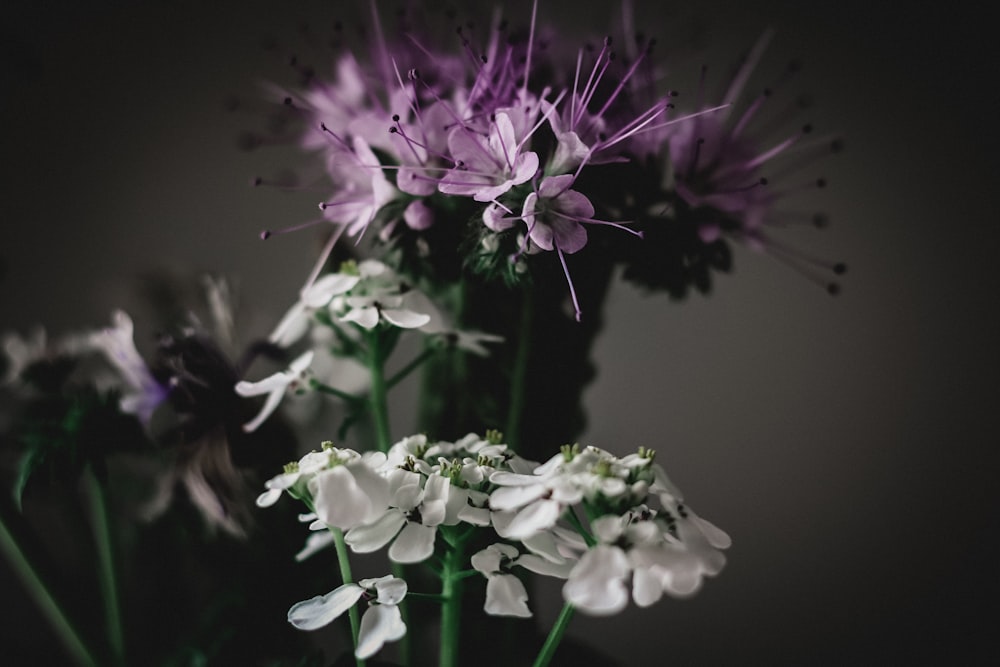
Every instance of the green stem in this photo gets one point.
(333, 391)
(555, 636)
(515, 408)
(451, 611)
(106, 567)
(571, 516)
(343, 559)
(378, 398)
(410, 367)
(430, 597)
(44, 599)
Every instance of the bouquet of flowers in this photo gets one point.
(482, 191)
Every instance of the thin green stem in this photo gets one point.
(571, 516)
(44, 599)
(344, 561)
(378, 398)
(518, 378)
(101, 519)
(430, 597)
(333, 391)
(451, 610)
(555, 636)
(410, 367)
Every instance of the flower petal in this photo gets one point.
(597, 583)
(381, 623)
(323, 609)
(373, 536)
(405, 319)
(539, 515)
(414, 544)
(506, 596)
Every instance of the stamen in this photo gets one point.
(531, 46)
(569, 281)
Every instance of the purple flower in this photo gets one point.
(723, 168)
(142, 392)
(487, 166)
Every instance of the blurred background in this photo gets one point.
(847, 444)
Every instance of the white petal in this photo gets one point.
(477, 516)
(407, 497)
(405, 319)
(506, 596)
(327, 287)
(390, 589)
(270, 405)
(301, 362)
(486, 561)
(349, 495)
(597, 583)
(323, 609)
(381, 623)
(544, 544)
(539, 515)
(292, 326)
(315, 542)
(513, 497)
(414, 544)
(717, 537)
(432, 512)
(504, 478)
(545, 567)
(437, 488)
(374, 536)
(271, 383)
(647, 585)
(268, 498)
(363, 317)
(607, 529)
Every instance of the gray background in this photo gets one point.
(846, 444)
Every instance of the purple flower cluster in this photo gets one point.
(519, 151)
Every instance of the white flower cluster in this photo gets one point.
(402, 500)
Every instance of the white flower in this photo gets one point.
(597, 583)
(275, 386)
(505, 594)
(411, 521)
(381, 622)
(352, 493)
(303, 470)
(670, 557)
(591, 474)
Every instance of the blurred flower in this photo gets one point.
(142, 392)
(275, 386)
